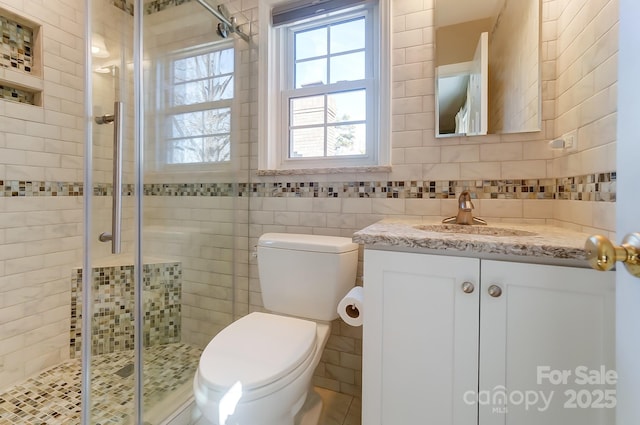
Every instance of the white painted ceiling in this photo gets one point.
(450, 12)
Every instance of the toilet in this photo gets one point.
(258, 370)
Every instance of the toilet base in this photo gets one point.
(309, 414)
(311, 410)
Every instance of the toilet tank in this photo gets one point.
(306, 275)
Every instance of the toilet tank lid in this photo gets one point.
(315, 243)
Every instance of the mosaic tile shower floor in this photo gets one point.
(53, 397)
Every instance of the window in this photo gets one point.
(326, 92)
(326, 103)
(198, 106)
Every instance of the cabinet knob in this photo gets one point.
(602, 254)
(468, 288)
(495, 291)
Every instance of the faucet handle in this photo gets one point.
(464, 201)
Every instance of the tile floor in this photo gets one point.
(339, 409)
(53, 397)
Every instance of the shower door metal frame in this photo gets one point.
(88, 236)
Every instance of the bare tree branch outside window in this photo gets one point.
(199, 123)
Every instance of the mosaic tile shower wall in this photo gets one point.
(113, 314)
(15, 47)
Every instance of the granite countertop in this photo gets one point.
(543, 244)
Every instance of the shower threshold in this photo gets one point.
(53, 396)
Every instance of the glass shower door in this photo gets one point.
(195, 212)
(106, 302)
(166, 262)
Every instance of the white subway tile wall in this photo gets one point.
(40, 237)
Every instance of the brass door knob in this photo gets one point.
(602, 254)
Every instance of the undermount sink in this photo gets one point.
(472, 230)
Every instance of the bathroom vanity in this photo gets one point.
(508, 326)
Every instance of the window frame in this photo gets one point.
(276, 74)
(290, 92)
(166, 110)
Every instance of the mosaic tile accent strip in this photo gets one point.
(126, 5)
(114, 302)
(53, 397)
(480, 189)
(17, 95)
(160, 5)
(106, 189)
(591, 187)
(15, 46)
(196, 189)
(19, 188)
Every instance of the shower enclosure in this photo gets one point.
(166, 208)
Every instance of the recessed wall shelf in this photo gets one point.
(21, 67)
(17, 95)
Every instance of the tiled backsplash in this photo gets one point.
(591, 187)
(15, 46)
(114, 302)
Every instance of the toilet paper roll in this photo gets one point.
(350, 308)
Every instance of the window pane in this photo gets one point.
(225, 62)
(185, 151)
(200, 149)
(307, 142)
(311, 73)
(203, 66)
(311, 43)
(203, 91)
(186, 125)
(347, 106)
(347, 67)
(307, 111)
(221, 88)
(217, 148)
(217, 121)
(191, 124)
(347, 36)
(346, 140)
(182, 69)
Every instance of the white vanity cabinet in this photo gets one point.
(458, 341)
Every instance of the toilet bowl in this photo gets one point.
(258, 370)
(264, 382)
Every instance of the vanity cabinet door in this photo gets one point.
(420, 338)
(554, 318)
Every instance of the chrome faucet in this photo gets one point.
(465, 212)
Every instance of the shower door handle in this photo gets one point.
(116, 205)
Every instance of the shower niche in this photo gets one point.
(20, 59)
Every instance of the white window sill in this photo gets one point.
(334, 170)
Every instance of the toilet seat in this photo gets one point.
(257, 350)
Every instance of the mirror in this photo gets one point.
(487, 67)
